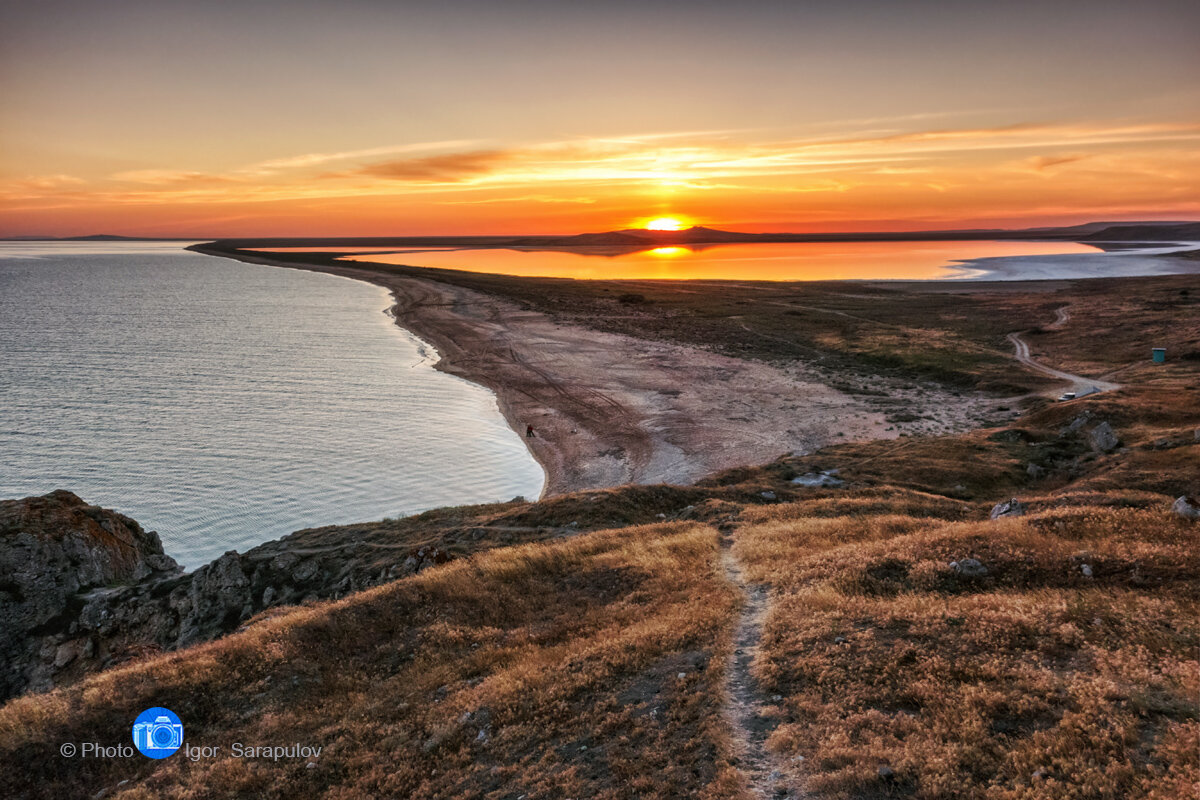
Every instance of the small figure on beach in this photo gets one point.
(528, 431)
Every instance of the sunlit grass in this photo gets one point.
(901, 677)
(567, 656)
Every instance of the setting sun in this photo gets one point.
(665, 224)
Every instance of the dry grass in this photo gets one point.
(567, 656)
(900, 677)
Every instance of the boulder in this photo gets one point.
(1186, 507)
(1009, 508)
(969, 568)
(1104, 438)
(818, 480)
(1077, 423)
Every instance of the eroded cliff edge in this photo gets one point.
(83, 588)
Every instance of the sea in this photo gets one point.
(225, 404)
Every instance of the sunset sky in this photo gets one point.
(366, 117)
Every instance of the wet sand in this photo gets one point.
(610, 409)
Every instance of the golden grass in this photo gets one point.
(567, 656)
(900, 677)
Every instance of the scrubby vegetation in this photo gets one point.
(1068, 669)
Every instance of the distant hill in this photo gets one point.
(110, 237)
(1112, 231)
(1141, 231)
(101, 237)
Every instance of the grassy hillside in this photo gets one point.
(1067, 670)
(588, 667)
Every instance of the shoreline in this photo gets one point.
(611, 409)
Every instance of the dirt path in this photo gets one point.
(1062, 315)
(766, 775)
(1079, 383)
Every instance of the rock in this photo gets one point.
(886, 773)
(1196, 435)
(969, 568)
(767, 495)
(1186, 507)
(1086, 570)
(218, 593)
(818, 479)
(65, 654)
(1009, 508)
(1077, 423)
(1035, 471)
(1103, 438)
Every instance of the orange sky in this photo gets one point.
(355, 119)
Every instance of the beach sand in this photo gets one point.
(610, 409)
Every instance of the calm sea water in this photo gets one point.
(226, 404)
(808, 261)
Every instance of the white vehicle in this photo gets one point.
(1067, 396)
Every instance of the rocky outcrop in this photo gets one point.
(53, 550)
(1009, 508)
(83, 588)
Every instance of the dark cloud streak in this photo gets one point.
(447, 168)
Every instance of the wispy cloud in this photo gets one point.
(317, 159)
(447, 168)
(169, 177)
(1044, 163)
(522, 198)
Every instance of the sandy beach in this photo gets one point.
(610, 409)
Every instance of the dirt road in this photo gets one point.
(1079, 384)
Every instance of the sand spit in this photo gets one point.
(609, 409)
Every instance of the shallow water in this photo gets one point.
(225, 404)
(768, 262)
